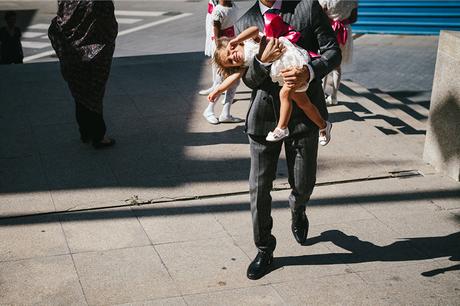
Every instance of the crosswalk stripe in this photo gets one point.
(39, 26)
(34, 45)
(151, 24)
(139, 13)
(128, 20)
(28, 34)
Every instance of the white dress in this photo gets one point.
(209, 30)
(227, 16)
(294, 56)
(340, 10)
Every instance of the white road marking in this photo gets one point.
(34, 45)
(128, 20)
(155, 23)
(37, 56)
(139, 13)
(39, 26)
(142, 27)
(44, 37)
(31, 34)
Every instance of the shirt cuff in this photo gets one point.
(262, 63)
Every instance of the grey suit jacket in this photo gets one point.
(309, 19)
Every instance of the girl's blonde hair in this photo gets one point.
(219, 61)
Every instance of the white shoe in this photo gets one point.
(277, 135)
(205, 92)
(324, 139)
(230, 119)
(210, 117)
(331, 101)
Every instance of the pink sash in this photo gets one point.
(210, 7)
(274, 26)
(339, 27)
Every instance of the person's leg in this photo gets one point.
(301, 157)
(264, 160)
(304, 103)
(215, 82)
(82, 115)
(225, 115)
(285, 107)
(325, 83)
(208, 113)
(91, 124)
(336, 78)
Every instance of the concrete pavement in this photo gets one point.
(163, 217)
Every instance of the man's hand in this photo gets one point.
(271, 50)
(296, 77)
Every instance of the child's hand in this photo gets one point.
(213, 96)
(233, 43)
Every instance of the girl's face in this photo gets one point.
(233, 56)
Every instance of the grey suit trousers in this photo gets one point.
(301, 158)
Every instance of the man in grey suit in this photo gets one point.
(301, 148)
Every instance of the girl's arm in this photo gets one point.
(251, 32)
(226, 84)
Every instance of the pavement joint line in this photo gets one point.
(135, 203)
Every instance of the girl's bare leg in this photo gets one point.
(285, 108)
(304, 102)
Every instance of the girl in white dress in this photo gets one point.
(232, 57)
(223, 17)
(341, 14)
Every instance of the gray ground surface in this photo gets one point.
(375, 238)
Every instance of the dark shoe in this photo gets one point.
(260, 265)
(103, 144)
(299, 226)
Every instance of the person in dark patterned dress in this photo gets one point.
(10, 41)
(83, 35)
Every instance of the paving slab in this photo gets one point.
(123, 276)
(175, 301)
(40, 281)
(32, 237)
(260, 295)
(103, 230)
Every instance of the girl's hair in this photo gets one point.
(218, 59)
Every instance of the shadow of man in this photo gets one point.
(408, 249)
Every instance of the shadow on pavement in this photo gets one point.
(409, 249)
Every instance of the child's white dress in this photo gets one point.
(341, 10)
(294, 56)
(227, 16)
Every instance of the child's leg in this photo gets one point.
(336, 77)
(285, 107)
(325, 83)
(225, 115)
(303, 101)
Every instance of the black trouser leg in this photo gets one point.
(91, 124)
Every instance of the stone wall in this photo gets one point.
(442, 143)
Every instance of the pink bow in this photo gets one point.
(274, 26)
(341, 30)
(210, 8)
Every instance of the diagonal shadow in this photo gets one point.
(409, 249)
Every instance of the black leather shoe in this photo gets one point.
(299, 226)
(260, 265)
(103, 144)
